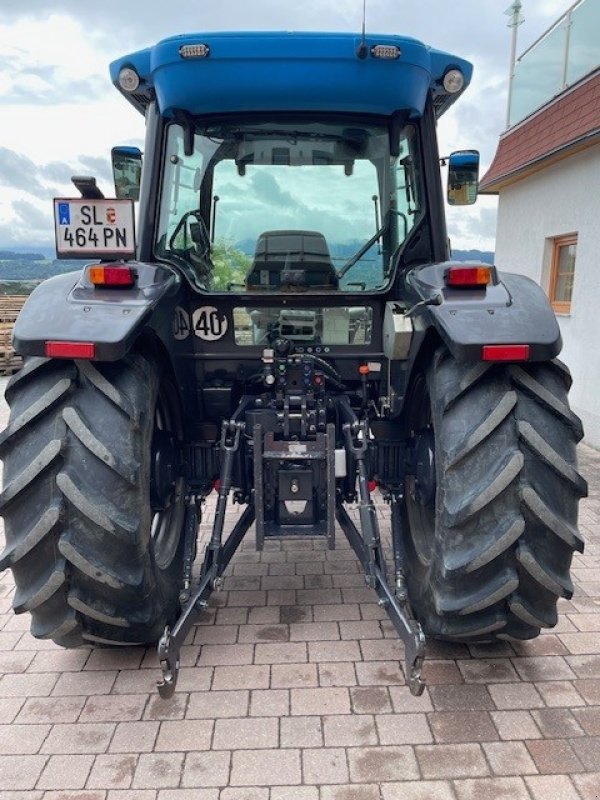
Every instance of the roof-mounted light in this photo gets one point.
(129, 80)
(194, 51)
(454, 81)
(389, 51)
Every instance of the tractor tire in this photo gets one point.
(491, 501)
(93, 559)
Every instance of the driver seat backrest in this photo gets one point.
(277, 251)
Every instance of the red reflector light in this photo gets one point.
(111, 276)
(468, 276)
(505, 352)
(372, 485)
(70, 350)
(217, 485)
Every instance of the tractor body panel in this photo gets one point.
(260, 72)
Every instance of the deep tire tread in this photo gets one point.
(76, 506)
(508, 489)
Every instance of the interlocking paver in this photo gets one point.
(380, 764)
(370, 699)
(557, 787)
(354, 731)
(246, 734)
(515, 725)
(451, 760)
(320, 701)
(20, 772)
(556, 723)
(135, 737)
(492, 789)
(232, 703)
(22, 739)
(325, 765)
(338, 673)
(113, 708)
(265, 767)
(159, 770)
(461, 726)
(114, 771)
(66, 772)
(301, 732)
(421, 790)
(77, 738)
(509, 758)
(587, 785)
(554, 756)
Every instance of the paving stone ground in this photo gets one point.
(292, 689)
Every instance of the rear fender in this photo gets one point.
(69, 308)
(513, 311)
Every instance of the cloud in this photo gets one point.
(98, 167)
(267, 189)
(32, 217)
(19, 172)
(38, 92)
(60, 108)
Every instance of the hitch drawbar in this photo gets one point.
(365, 542)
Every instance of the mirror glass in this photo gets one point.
(127, 172)
(463, 177)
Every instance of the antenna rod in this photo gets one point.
(362, 50)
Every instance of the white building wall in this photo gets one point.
(563, 198)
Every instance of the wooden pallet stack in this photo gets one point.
(10, 305)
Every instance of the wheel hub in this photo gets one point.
(424, 468)
(164, 472)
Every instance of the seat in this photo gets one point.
(292, 258)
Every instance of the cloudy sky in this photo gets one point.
(60, 115)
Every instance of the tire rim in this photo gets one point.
(421, 479)
(167, 493)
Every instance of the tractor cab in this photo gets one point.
(288, 162)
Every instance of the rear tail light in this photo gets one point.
(115, 275)
(468, 276)
(505, 352)
(70, 350)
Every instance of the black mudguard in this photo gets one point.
(68, 308)
(514, 310)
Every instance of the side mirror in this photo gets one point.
(463, 177)
(127, 172)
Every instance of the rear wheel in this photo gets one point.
(92, 502)
(491, 501)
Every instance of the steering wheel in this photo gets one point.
(201, 241)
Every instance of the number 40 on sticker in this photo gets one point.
(208, 323)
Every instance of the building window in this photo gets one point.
(564, 250)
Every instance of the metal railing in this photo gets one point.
(568, 51)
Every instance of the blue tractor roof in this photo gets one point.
(262, 72)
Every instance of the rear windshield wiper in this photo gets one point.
(364, 249)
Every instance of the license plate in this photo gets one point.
(94, 228)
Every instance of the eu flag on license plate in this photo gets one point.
(64, 214)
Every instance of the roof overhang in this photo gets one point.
(568, 124)
(494, 186)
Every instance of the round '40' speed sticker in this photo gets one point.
(209, 323)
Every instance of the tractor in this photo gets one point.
(271, 312)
